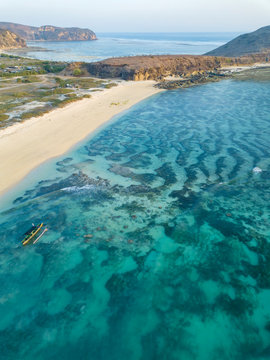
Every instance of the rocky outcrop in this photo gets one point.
(151, 67)
(160, 66)
(251, 43)
(196, 79)
(49, 32)
(9, 40)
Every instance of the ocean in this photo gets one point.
(127, 44)
(159, 236)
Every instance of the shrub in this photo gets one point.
(60, 82)
(77, 72)
(53, 68)
(109, 85)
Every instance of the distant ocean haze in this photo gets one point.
(128, 44)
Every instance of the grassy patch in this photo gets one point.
(22, 73)
(28, 79)
(24, 86)
(81, 83)
(34, 113)
(58, 91)
(110, 85)
(3, 117)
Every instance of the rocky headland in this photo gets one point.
(244, 50)
(159, 67)
(49, 32)
(151, 67)
(9, 40)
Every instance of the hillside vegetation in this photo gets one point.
(251, 43)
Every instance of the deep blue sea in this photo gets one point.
(159, 236)
(127, 44)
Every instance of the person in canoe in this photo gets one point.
(34, 234)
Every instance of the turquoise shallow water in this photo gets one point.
(178, 266)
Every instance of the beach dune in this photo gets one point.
(26, 145)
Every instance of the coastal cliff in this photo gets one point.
(160, 66)
(9, 40)
(49, 32)
(151, 67)
(251, 43)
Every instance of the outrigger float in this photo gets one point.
(34, 234)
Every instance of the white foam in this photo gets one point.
(79, 189)
(257, 170)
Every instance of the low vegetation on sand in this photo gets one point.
(31, 88)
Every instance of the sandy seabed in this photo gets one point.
(26, 145)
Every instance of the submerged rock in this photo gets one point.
(121, 170)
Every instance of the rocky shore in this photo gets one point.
(259, 72)
(196, 79)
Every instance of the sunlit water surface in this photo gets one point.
(159, 239)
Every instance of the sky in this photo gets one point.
(141, 15)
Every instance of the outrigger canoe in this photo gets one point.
(34, 234)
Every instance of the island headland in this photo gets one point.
(49, 32)
(10, 40)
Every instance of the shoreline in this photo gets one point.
(24, 146)
(240, 68)
(231, 72)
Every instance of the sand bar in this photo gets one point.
(26, 145)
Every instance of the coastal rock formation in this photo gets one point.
(49, 32)
(158, 67)
(9, 40)
(251, 43)
(151, 67)
(200, 78)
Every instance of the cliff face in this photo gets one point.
(151, 67)
(159, 66)
(251, 43)
(49, 32)
(52, 33)
(9, 40)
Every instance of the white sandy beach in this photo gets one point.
(26, 145)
